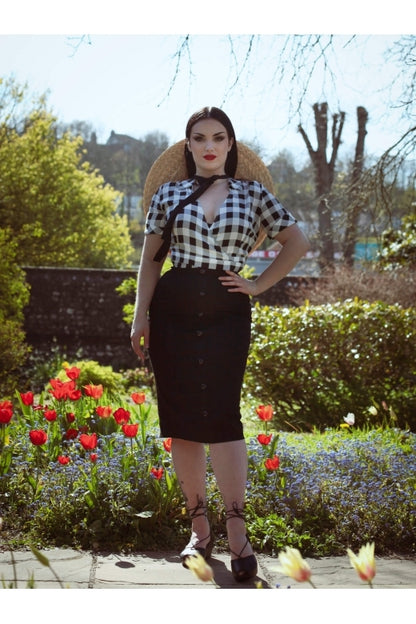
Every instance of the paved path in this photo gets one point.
(153, 570)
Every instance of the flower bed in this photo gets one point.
(83, 466)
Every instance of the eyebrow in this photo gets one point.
(215, 134)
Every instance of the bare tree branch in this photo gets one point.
(183, 48)
(76, 42)
(243, 65)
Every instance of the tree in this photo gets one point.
(354, 207)
(294, 188)
(14, 294)
(324, 173)
(61, 212)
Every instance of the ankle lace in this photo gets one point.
(200, 509)
(237, 512)
(234, 512)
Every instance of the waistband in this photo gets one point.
(202, 270)
(199, 270)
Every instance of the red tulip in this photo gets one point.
(73, 372)
(27, 398)
(167, 444)
(121, 416)
(94, 391)
(138, 397)
(62, 390)
(93, 457)
(264, 439)
(50, 415)
(71, 434)
(157, 473)
(130, 431)
(272, 463)
(63, 459)
(104, 411)
(89, 442)
(38, 436)
(6, 412)
(265, 412)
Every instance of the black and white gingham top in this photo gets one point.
(226, 243)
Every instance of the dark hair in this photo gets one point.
(211, 112)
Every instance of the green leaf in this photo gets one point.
(40, 557)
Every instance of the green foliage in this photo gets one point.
(61, 213)
(315, 364)
(94, 373)
(14, 294)
(399, 246)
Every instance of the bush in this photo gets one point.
(315, 364)
(14, 294)
(91, 372)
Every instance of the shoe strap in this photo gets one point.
(199, 510)
(234, 512)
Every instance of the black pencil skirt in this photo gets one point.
(199, 342)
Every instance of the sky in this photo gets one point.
(119, 75)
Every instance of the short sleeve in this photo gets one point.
(156, 215)
(274, 217)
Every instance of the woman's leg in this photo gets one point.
(189, 461)
(229, 463)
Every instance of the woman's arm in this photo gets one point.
(148, 276)
(294, 246)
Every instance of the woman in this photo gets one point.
(195, 319)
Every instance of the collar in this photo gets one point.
(189, 183)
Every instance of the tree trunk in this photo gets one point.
(355, 202)
(324, 174)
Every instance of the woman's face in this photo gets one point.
(209, 144)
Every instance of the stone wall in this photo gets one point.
(80, 311)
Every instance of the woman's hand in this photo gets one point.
(235, 283)
(139, 338)
(294, 245)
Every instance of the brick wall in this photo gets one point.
(80, 311)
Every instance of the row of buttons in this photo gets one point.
(200, 333)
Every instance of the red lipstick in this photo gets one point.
(209, 157)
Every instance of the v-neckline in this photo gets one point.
(217, 212)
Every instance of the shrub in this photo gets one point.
(317, 363)
(14, 294)
(91, 372)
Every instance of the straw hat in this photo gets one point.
(171, 167)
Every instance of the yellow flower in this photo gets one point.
(293, 565)
(201, 569)
(364, 562)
